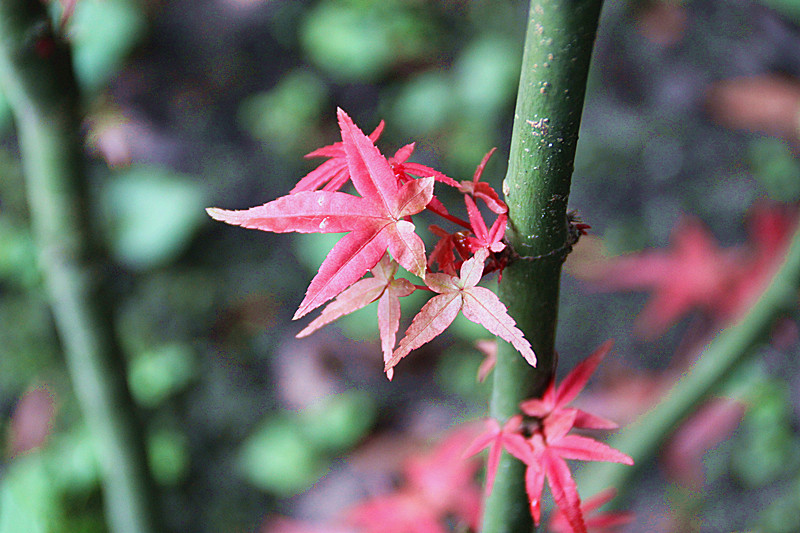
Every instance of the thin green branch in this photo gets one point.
(734, 345)
(555, 66)
(37, 78)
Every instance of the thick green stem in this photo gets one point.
(555, 65)
(37, 78)
(642, 439)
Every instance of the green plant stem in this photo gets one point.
(555, 66)
(37, 78)
(732, 346)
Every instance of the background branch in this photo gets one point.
(37, 78)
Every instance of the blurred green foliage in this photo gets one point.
(151, 214)
(103, 33)
(292, 450)
(362, 40)
(776, 167)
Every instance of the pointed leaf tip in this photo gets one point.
(216, 213)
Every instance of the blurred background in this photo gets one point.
(693, 107)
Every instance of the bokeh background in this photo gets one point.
(693, 107)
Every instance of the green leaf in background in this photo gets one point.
(5, 113)
(767, 448)
(776, 168)
(282, 116)
(487, 74)
(423, 104)
(28, 502)
(73, 460)
(168, 452)
(457, 372)
(157, 374)
(790, 8)
(278, 458)
(103, 32)
(152, 214)
(17, 254)
(36, 486)
(361, 40)
(338, 422)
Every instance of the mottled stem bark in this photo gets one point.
(37, 78)
(558, 47)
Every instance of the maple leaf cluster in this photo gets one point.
(540, 437)
(694, 272)
(438, 492)
(381, 237)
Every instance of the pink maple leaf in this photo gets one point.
(280, 524)
(489, 350)
(382, 287)
(333, 173)
(375, 221)
(598, 522)
(550, 447)
(461, 294)
(555, 398)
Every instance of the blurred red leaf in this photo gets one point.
(438, 484)
(707, 427)
(767, 103)
(382, 287)
(32, 420)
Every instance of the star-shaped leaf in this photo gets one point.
(333, 173)
(461, 294)
(376, 221)
(555, 398)
(551, 446)
(382, 287)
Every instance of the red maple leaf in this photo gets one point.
(483, 190)
(403, 169)
(769, 230)
(382, 287)
(496, 439)
(376, 221)
(333, 173)
(461, 294)
(551, 445)
(491, 239)
(555, 398)
(542, 442)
